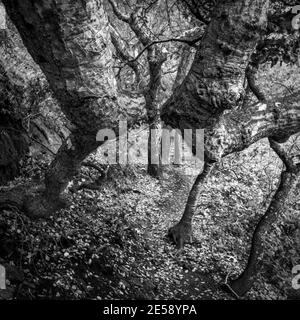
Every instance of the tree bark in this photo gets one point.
(181, 233)
(123, 54)
(215, 81)
(185, 63)
(155, 59)
(67, 163)
(70, 41)
(288, 181)
(238, 129)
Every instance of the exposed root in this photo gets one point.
(181, 234)
(31, 201)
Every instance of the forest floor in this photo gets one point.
(112, 244)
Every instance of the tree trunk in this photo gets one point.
(67, 163)
(181, 233)
(187, 56)
(155, 61)
(243, 283)
(154, 149)
(76, 58)
(215, 81)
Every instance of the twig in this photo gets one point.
(189, 42)
(286, 87)
(31, 138)
(123, 17)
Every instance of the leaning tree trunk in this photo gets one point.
(67, 162)
(276, 209)
(76, 57)
(237, 130)
(214, 83)
(233, 131)
(181, 233)
(187, 56)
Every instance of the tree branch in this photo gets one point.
(121, 16)
(239, 129)
(186, 41)
(251, 72)
(282, 154)
(193, 8)
(215, 81)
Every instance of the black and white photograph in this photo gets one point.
(149, 151)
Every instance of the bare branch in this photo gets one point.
(95, 166)
(125, 56)
(123, 17)
(282, 154)
(186, 41)
(193, 8)
(251, 72)
(286, 87)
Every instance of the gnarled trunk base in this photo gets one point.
(31, 200)
(181, 233)
(244, 282)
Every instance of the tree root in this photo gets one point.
(236, 288)
(31, 201)
(181, 234)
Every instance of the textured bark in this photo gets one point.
(237, 130)
(13, 198)
(14, 144)
(251, 74)
(123, 54)
(74, 54)
(187, 55)
(29, 198)
(154, 148)
(288, 181)
(215, 81)
(182, 232)
(201, 12)
(70, 41)
(185, 63)
(25, 91)
(155, 59)
(22, 89)
(206, 92)
(67, 162)
(234, 132)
